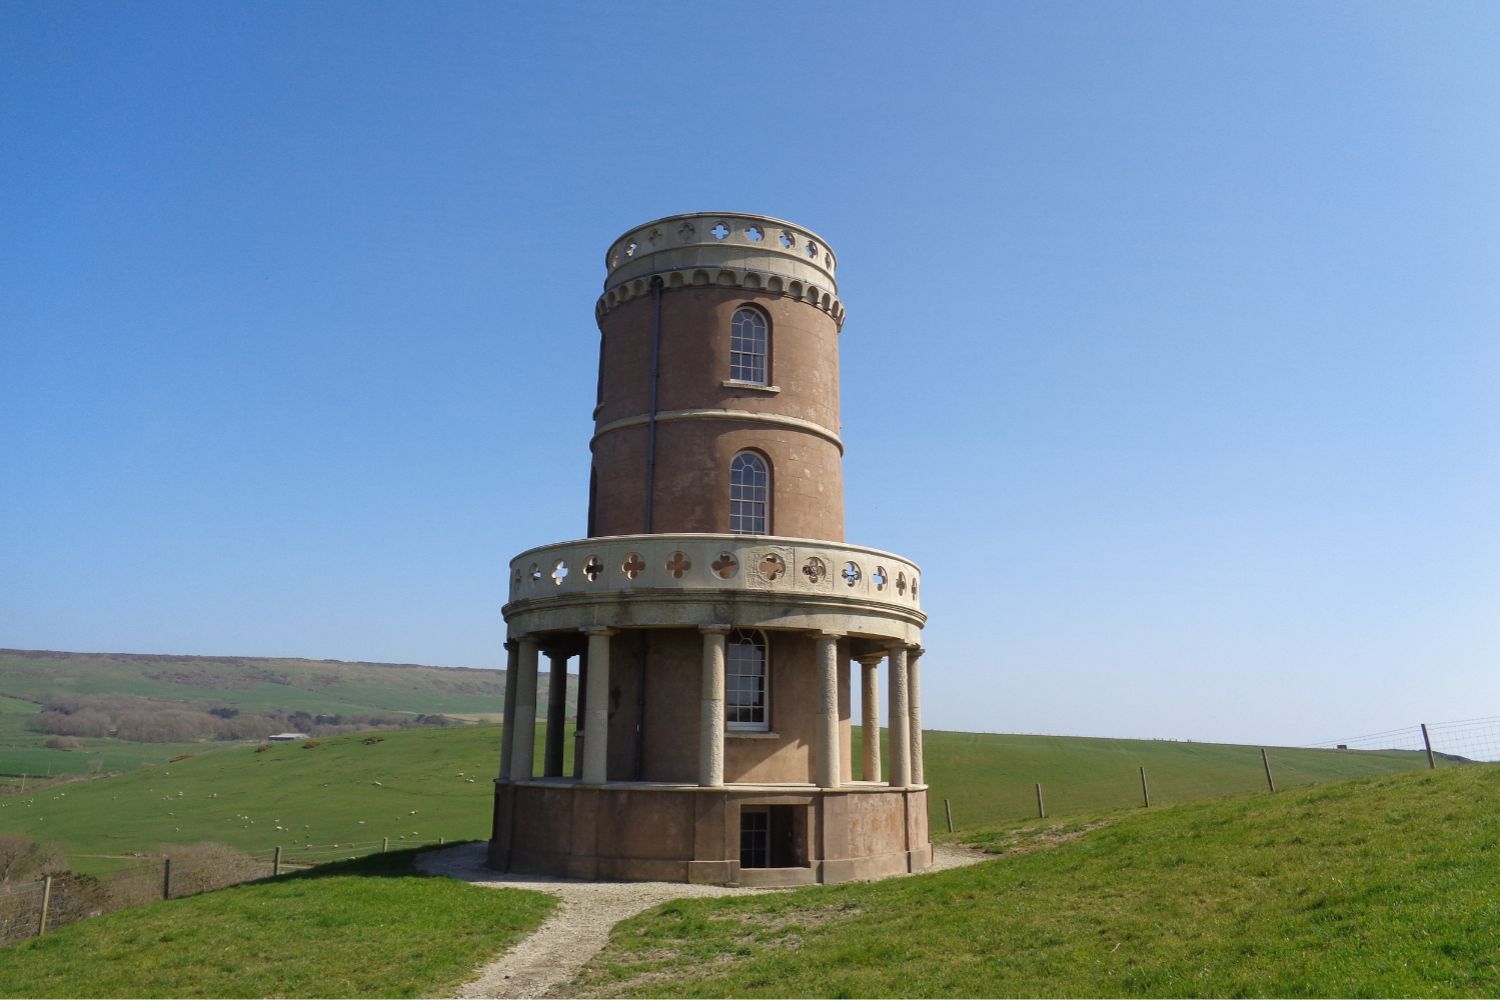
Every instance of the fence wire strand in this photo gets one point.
(1455, 742)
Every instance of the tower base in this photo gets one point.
(758, 835)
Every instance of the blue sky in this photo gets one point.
(1171, 351)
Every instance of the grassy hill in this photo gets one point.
(992, 777)
(418, 785)
(414, 785)
(251, 683)
(366, 928)
(1382, 887)
(246, 684)
(1379, 887)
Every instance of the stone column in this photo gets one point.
(899, 717)
(582, 708)
(826, 746)
(596, 728)
(523, 733)
(914, 699)
(510, 708)
(711, 717)
(557, 713)
(869, 704)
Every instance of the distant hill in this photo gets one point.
(124, 709)
(256, 683)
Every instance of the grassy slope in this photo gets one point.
(251, 683)
(329, 795)
(246, 683)
(407, 787)
(1382, 887)
(366, 928)
(992, 777)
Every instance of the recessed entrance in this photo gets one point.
(773, 836)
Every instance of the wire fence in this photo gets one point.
(31, 908)
(1463, 741)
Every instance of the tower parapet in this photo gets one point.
(726, 250)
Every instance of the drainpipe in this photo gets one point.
(656, 287)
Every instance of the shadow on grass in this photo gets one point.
(389, 864)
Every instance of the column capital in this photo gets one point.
(716, 629)
(598, 630)
(823, 633)
(871, 659)
(903, 647)
(913, 652)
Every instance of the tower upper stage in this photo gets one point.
(718, 397)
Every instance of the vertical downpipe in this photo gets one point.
(656, 287)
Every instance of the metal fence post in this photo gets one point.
(166, 878)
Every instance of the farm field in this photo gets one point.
(992, 777)
(364, 928)
(414, 786)
(245, 684)
(254, 683)
(1378, 887)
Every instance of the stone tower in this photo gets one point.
(714, 607)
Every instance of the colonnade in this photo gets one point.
(903, 692)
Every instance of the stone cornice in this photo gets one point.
(748, 279)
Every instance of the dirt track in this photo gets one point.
(579, 928)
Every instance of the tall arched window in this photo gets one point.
(749, 495)
(746, 671)
(749, 347)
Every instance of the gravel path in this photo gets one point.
(579, 928)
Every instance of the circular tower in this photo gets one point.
(714, 608)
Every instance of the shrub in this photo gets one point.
(311, 745)
(206, 866)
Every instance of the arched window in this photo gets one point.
(746, 671)
(749, 495)
(749, 347)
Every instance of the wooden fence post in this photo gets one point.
(166, 878)
(1427, 742)
(948, 808)
(41, 927)
(441, 841)
(1041, 810)
(1270, 781)
(385, 843)
(276, 862)
(1145, 789)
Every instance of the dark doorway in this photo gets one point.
(772, 836)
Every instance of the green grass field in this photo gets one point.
(415, 786)
(991, 778)
(1381, 887)
(365, 928)
(254, 683)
